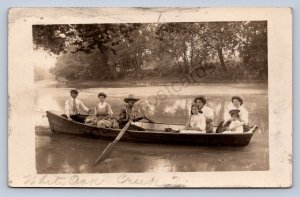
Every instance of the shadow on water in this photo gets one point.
(61, 153)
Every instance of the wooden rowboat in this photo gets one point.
(155, 133)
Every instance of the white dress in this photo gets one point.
(198, 121)
(101, 111)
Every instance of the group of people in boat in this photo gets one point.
(201, 117)
(102, 114)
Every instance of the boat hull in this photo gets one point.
(62, 125)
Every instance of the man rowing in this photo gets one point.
(129, 112)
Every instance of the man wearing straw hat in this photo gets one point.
(129, 112)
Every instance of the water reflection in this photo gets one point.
(60, 153)
(173, 110)
(63, 154)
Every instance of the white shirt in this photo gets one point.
(234, 124)
(243, 113)
(198, 121)
(207, 112)
(69, 106)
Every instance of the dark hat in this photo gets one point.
(102, 94)
(131, 97)
(234, 111)
(202, 98)
(238, 98)
(74, 91)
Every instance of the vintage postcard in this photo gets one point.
(150, 97)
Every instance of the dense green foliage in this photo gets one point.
(222, 50)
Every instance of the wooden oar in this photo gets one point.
(111, 145)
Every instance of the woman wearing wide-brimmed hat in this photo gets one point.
(208, 113)
(237, 104)
(129, 112)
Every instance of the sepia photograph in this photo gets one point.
(169, 97)
(160, 97)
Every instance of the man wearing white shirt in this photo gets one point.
(73, 106)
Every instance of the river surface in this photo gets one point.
(62, 153)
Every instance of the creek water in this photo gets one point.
(62, 153)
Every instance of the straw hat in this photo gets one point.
(131, 97)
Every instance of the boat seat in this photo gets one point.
(177, 127)
(148, 126)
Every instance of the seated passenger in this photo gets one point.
(197, 120)
(73, 106)
(129, 112)
(91, 119)
(232, 125)
(237, 103)
(208, 113)
(103, 112)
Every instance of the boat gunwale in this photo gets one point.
(160, 131)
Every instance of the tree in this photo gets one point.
(113, 51)
(83, 38)
(254, 48)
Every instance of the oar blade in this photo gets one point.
(105, 153)
(109, 148)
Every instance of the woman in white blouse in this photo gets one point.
(197, 120)
(237, 104)
(103, 112)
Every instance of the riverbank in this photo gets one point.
(157, 82)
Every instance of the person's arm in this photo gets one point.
(83, 107)
(209, 115)
(67, 109)
(202, 124)
(122, 115)
(138, 119)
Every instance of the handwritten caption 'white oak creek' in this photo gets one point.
(79, 181)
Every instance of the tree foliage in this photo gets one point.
(113, 51)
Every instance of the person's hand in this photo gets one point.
(233, 129)
(149, 120)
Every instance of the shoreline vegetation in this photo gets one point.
(147, 54)
(155, 82)
(149, 82)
